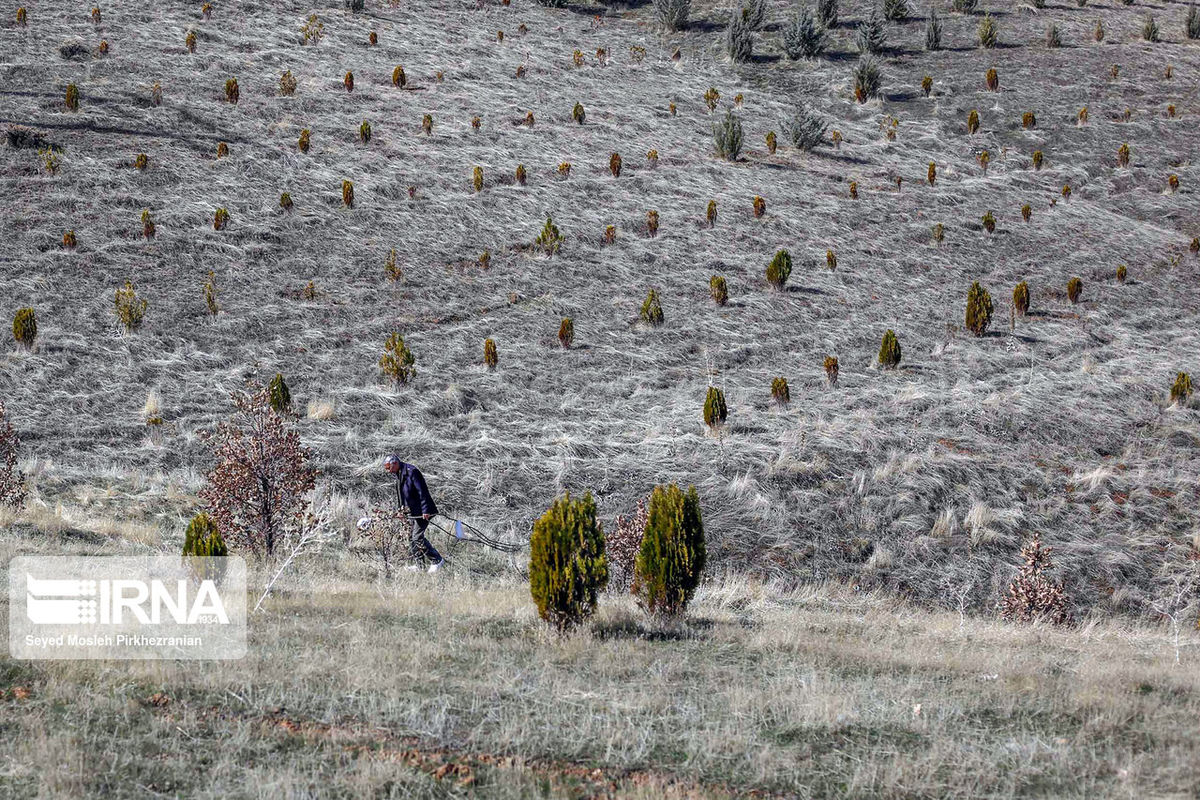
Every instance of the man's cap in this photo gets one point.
(390, 461)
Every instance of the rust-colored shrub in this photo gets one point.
(259, 485)
(1032, 596)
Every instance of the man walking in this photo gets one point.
(413, 494)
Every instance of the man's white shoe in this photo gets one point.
(434, 567)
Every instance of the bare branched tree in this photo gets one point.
(622, 544)
(258, 490)
(387, 538)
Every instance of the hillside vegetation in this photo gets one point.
(923, 479)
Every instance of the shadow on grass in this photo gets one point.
(654, 629)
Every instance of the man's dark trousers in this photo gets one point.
(421, 548)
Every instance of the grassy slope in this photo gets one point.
(352, 690)
(939, 468)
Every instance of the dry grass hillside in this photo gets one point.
(922, 480)
(860, 536)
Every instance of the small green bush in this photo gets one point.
(279, 394)
(1191, 26)
(979, 309)
(652, 312)
(549, 240)
(1150, 30)
(397, 360)
(25, 327)
(715, 412)
(567, 563)
(831, 370)
(673, 554)
(1021, 298)
(780, 269)
(203, 538)
(1181, 390)
(804, 37)
(889, 350)
(727, 135)
(896, 10)
(871, 36)
(989, 32)
(739, 39)
(130, 308)
(672, 14)
(490, 355)
(566, 332)
(868, 79)
(718, 289)
(804, 129)
(780, 392)
(933, 34)
(578, 114)
(1074, 289)
(827, 11)
(210, 295)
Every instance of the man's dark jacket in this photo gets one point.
(414, 494)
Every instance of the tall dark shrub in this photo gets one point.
(567, 563)
(979, 309)
(673, 553)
